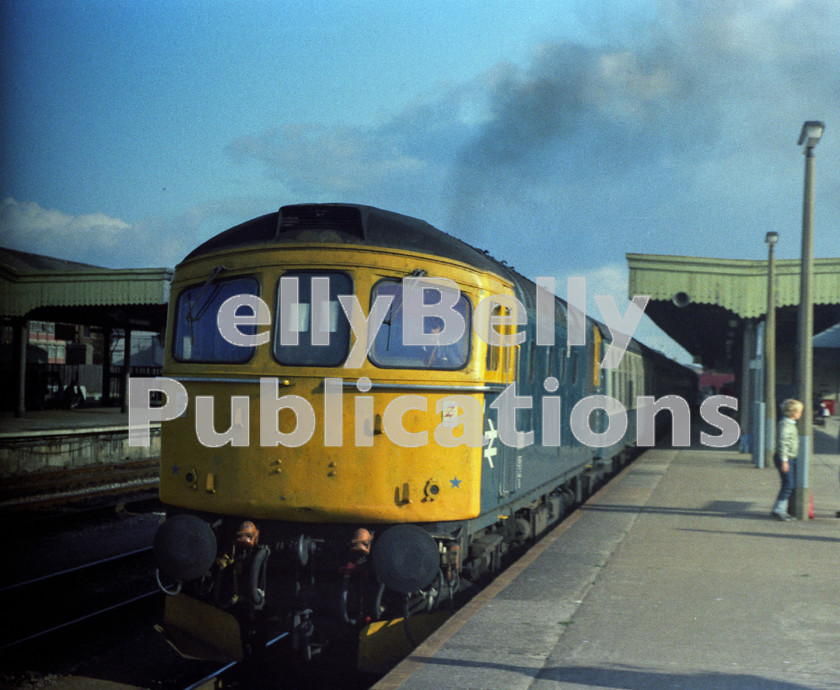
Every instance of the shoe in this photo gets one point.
(784, 517)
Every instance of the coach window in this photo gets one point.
(622, 386)
(311, 329)
(389, 348)
(197, 337)
(532, 362)
(561, 364)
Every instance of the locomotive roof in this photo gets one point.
(350, 224)
(367, 225)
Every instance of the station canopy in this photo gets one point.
(42, 288)
(703, 303)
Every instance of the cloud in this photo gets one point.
(664, 137)
(28, 227)
(667, 135)
(676, 136)
(342, 160)
(665, 143)
(98, 239)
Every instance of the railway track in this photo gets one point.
(49, 603)
(97, 621)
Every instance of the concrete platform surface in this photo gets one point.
(35, 421)
(673, 576)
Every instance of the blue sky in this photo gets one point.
(557, 135)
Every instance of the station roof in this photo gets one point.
(702, 302)
(45, 288)
(829, 339)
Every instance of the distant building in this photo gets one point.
(146, 350)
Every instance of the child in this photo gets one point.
(787, 448)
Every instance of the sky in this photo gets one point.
(559, 136)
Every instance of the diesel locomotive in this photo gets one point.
(338, 470)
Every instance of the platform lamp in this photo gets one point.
(770, 353)
(810, 136)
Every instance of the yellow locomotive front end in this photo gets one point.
(330, 401)
(295, 432)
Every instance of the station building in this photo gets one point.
(716, 309)
(63, 319)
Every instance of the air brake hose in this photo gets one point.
(377, 609)
(345, 586)
(258, 576)
(405, 624)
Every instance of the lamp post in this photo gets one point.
(770, 353)
(810, 136)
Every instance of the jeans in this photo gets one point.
(788, 478)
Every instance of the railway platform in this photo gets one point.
(672, 576)
(35, 422)
(47, 449)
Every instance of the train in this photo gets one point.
(372, 414)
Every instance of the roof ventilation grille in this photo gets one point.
(345, 220)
